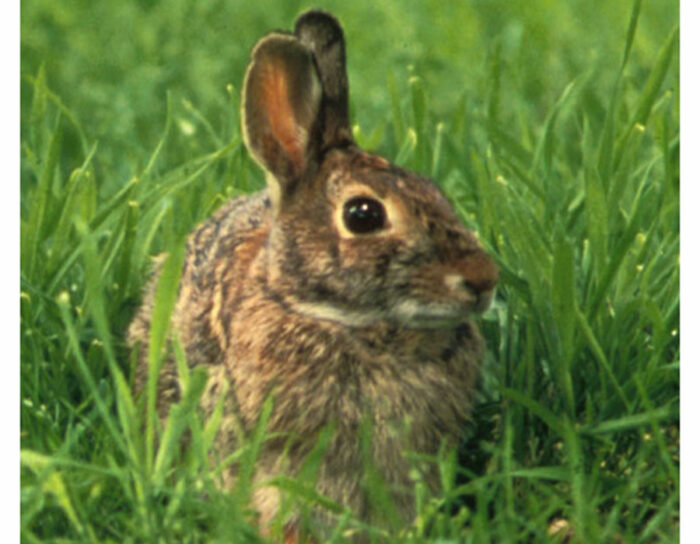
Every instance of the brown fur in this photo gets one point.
(276, 298)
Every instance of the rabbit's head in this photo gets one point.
(353, 238)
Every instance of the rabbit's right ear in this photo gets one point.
(281, 100)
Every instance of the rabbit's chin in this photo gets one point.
(409, 313)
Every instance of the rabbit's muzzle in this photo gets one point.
(475, 280)
(443, 294)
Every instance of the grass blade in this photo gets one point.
(599, 354)
(564, 309)
(631, 31)
(177, 422)
(163, 304)
(63, 302)
(554, 422)
(632, 421)
(35, 227)
(649, 93)
(71, 207)
(53, 483)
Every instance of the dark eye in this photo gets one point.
(363, 215)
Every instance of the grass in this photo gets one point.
(554, 128)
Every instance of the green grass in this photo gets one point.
(554, 128)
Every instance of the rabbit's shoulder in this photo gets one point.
(217, 264)
(217, 241)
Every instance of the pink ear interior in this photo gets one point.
(282, 97)
(281, 119)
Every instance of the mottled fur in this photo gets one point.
(277, 297)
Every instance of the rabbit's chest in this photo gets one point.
(413, 385)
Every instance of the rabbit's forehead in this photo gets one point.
(372, 175)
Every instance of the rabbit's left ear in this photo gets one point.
(281, 103)
(323, 35)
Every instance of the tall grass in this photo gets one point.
(554, 130)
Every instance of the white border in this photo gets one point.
(9, 301)
(690, 196)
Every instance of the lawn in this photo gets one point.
(552, 126)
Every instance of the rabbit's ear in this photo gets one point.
(281, 101)
(323, 35)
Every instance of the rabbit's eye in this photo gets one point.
(363, 215)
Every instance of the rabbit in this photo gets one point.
(345, 289)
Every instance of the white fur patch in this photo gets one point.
(414, 314)
(455, 283)
(328, 312)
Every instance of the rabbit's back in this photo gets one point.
(221, 247)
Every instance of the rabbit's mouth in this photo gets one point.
(417, 315)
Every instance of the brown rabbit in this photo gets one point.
(344, 290)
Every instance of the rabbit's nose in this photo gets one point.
(478, 272)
